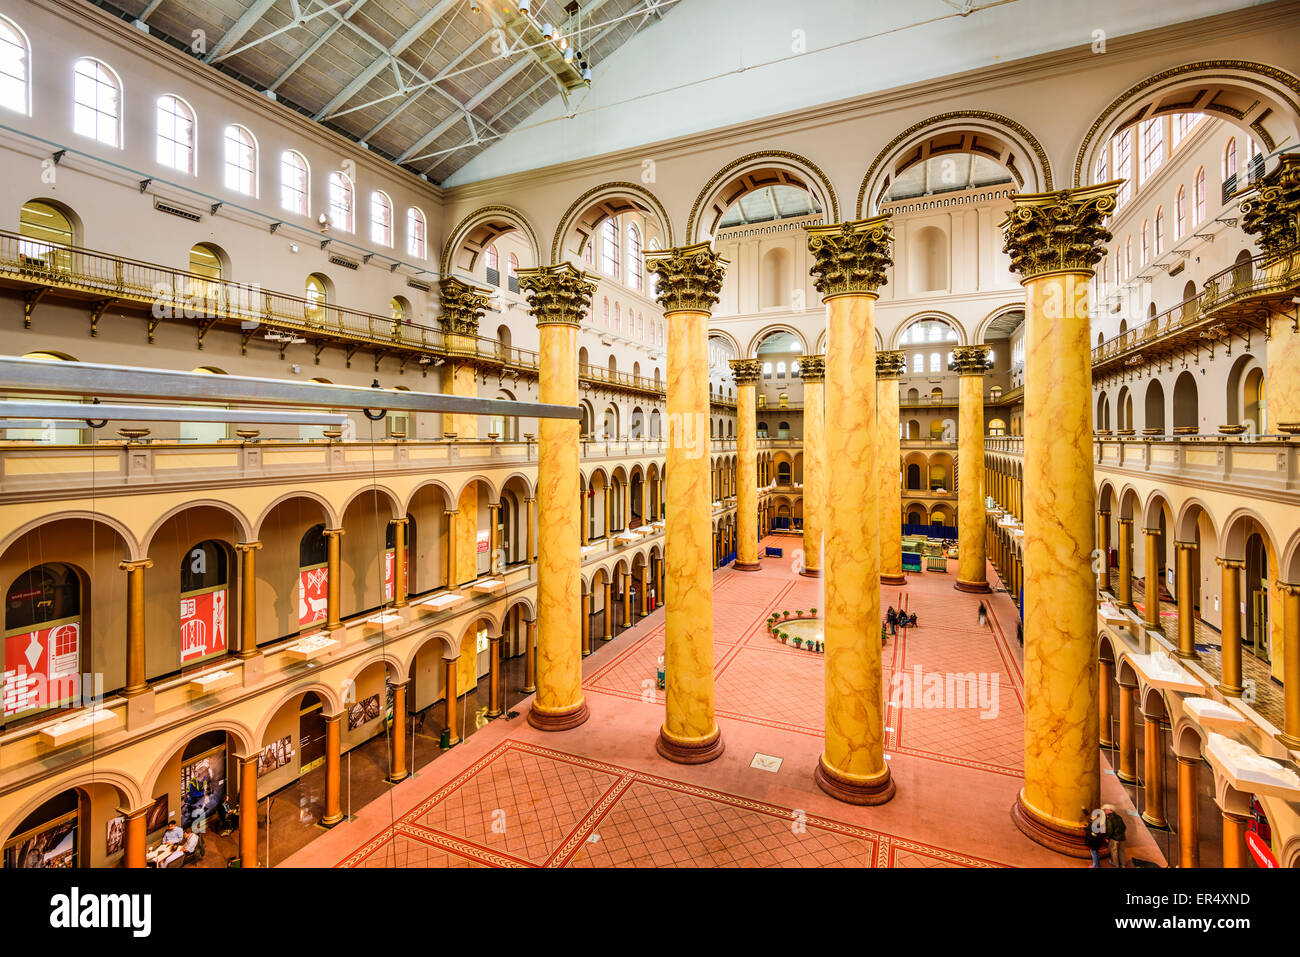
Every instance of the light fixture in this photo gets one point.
(586, 75)
(473, 6)
(324, 221)
(524, 6)
(568, 55)
(548, 31)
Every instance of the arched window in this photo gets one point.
(175, 147)
(491, 265)
(918, 363)
(633, 257)
(934, 362)
(401, 314)
(604, 312)
(1122, 165)
(1128, 256)
(1230, 158)
(609, 248)
(1160, 231)
(49, 236)
(317, 293)
(97, 102)
(415, 233)
(1144, 247)
(1198, 197)
(204, 579)
(1153, 145)
(341, 202)
(780, 370)
(618, 318)
(653, 276)
(295, 178)
(1180, 212)
(44, 603)
(14, 57)
(767, 370)
(381, 218)
(512, 272)
(241, 161)
(207, 268)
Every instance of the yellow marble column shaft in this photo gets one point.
(334, 615)
(1290, 735)
(1230, 627)
(746, 372)
(1186, 611)
(812, 371)
(889, 366)
(971, 559)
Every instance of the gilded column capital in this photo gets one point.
(557, 295)
(890, 365)
(133, 564)
(1287, 588)
(1230, 562)
(1058, 232)
(851, 258)
(463, 306)
(1151, 532)
(1273, 212)
(399, 521)
(745, 371)
(690, 277)
(1186, 546)
(812, 368)
(247, 546)
(1124, 521)
(333, 531)
(970, 360)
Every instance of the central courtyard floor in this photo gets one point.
(601, 796)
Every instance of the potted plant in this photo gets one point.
(813, 612)
(785, 614)
(798, 642)
(798, 613)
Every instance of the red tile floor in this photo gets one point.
(600, 795)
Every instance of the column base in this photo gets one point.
(558, 720)
(1187, 655)
(974, 588)
(865, 793)
(893, 580)
(1055, 837)
(1106, 743)
(1230, 691)
(493, 714)
(683, 752)
(740, 566)
(1159, 825)
(328, 822)
(397, 779)
(531, 689)
(1290, 740)
(811, 573)
(1126, 778)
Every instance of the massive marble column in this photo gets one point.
(889, 366)
(451, 698)
(399, 562)
(970, 363)
(248, 810)
(746, 373)
(690, 279)
(558, 296)
(1272, 214)
(1054, 240)
(530, 657)
(463, 306)
(334, 579)
(397, 769)
(333, 770)
(1189, 844)
(849, 266)
(1103, 546)
(1153, 753)
(812, 369)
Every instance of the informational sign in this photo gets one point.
(41, 668)
(313, 592)
(203, 624)
(484, 541)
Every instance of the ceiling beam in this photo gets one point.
(241, 26)
(413, 33)
(316, 45)
(416, 91)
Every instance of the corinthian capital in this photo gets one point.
(745, 371)
(557, 295)
(850, 257)
(890, 365)
(970, 360)
(812, 368)
(1058, 232)
(463, 306)
(690, 277)
(1273, 212)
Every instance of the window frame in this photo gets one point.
(77, 106)
(227, 166)
(174, 144)
(304, 208)
(382, 201)
(21, 42)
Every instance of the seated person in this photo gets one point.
(193, 841)
(911, 621)
(227, 817)
(173, 834)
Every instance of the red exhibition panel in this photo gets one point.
(41, 667)
(313, 589)
(203, 625)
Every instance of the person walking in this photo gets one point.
(1116, 830)
(983, 614)
(1095, 837)
(891, 616)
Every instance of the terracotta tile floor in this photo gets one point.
(600, 796)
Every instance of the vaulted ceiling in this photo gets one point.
(427, 84)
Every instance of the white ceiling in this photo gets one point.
(714, 63)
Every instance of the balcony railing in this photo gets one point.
(1238, 282)
(174, 294)
(623, 380)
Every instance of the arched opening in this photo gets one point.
(1186, 413)
(1155, 406)
(927, 252)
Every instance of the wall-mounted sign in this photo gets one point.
(313, 589)
(41, 668)
(203, 624)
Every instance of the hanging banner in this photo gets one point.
(484, 541)
(1260, 850)
(390, 572)
(41, 668)
(203, 624)
(313, 592)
